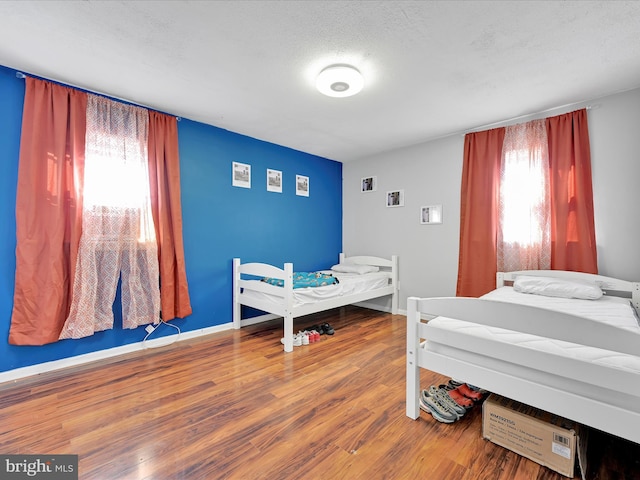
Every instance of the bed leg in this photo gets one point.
(413, 369)
(394, 303)
(288, 333)
(396, 286)
(236, 294)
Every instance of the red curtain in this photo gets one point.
(48, 210)
(479, 212)
(573, 239)
(164, 177)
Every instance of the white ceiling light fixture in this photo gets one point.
(339, 81)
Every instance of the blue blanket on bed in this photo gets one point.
(305, 279)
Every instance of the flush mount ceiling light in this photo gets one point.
(339, 81)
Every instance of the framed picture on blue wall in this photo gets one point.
(302, 186)
(241, 175)
(274, 181)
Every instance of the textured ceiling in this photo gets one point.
(431, 68)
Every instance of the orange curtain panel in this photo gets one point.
(573, 239)
(164, 178)
(477, 262)
(48, 210)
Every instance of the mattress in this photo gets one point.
(588, 371)
(349, 284)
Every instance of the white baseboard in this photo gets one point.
(380, 308)
(23, 372)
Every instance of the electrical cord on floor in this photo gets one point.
(152, 328)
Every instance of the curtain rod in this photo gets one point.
(520, 117)
(22, 76)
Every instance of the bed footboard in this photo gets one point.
(284, 308)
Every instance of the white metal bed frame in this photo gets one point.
(286, 308)
(602, 414)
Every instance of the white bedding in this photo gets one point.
(590, 368)
(349, 284)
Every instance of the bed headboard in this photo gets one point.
(610, 285)
(370, 260)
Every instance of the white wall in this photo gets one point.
(430, 174)
(614, 132)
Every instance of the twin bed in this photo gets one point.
(575, 357)
(357, 282)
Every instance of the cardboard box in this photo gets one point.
(540, 436)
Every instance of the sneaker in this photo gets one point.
(312, 336)
(457, 397)
(305, 337)
(326, 328)
(464, 390)
(436, 408)
(297, 340)
(455, 383)
(451, 403)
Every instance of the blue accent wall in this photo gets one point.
(219, 222)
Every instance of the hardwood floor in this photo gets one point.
(233, 406)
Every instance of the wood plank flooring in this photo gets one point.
(233, 406)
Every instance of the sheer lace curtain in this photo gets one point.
(118, 240)
(524, 226)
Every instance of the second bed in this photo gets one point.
(356, 283)
(577, 358)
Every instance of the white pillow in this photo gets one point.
(354, 268)
(556, 287)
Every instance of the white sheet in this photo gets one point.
(349, 284)
(543, 356)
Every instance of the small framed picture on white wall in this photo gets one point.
(431, 214)
(395, 198)
(368, 184)
(302, 186)
(274, 181)
(241, 175)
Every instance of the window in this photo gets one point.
(116, 183)
(118, 236)
(524, 221)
